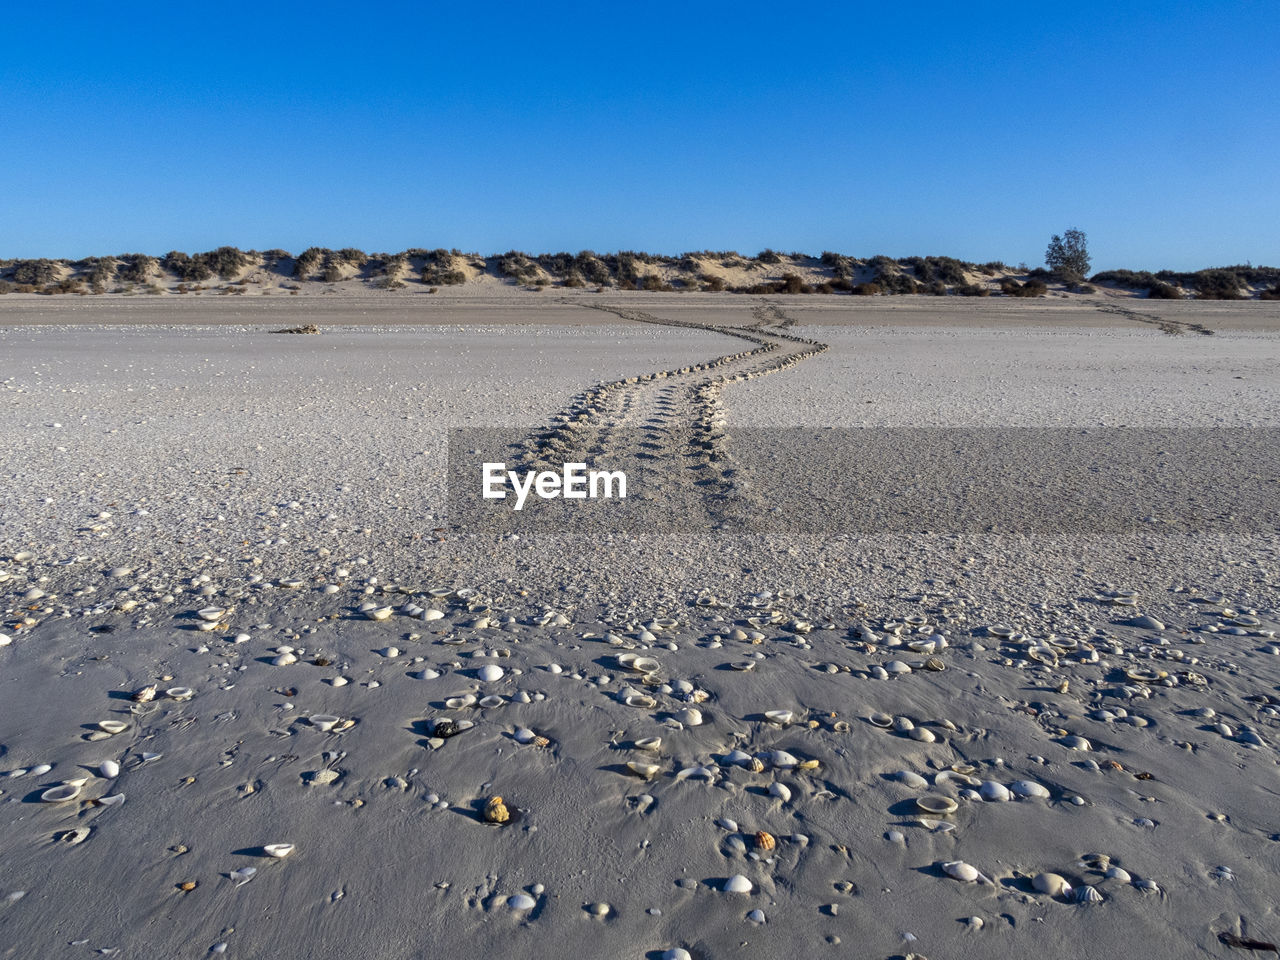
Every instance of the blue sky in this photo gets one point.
(974, 130)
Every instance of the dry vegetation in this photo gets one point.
(228, 270)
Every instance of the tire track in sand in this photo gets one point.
(674, 419)
(1174, 328)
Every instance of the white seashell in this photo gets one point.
(745, 666)
(1051, 884)
(690, 716)
(1089, 894)
(390, 652)
(179, 693)
(1118, 873)
(284, 660)
(432, 615)
(646, 771)
(521, 901)
(644, 665)
(74, 836)
(781, 791)
(457, 703)
(921, 734)
(882, 720)
(993, 792)
(641, 700)
(1076, 743)
(737, 884)
(379, 613)
(652, 744)
(897, 668)
(323, 777)
(243, 875)
(324, 722)
(780, 717)
(695, 773)
(678, 953)
(959, 870)
(211, 614)
(910, 779)
(339, 682)
(524, 735)
(40, 769)
(938, 806)
(1000, 630)
(112, 801)
(490, 702)
(780, 759)
(491, 673)
(278, 850)
(902, 724)
(109, 769)
(1028, 788)
(62, 793)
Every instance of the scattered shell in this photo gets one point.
(780, 717)
(521, 901)
(491, 672)
(755, 765)
(641, 700)
(379, 613)
(935, 664)
(911, 779)
(646, 771)
(180, 693)
(936, 805)
(1145, 676)
(781, 791)
(1052, 884)
(994, 792)
(1076, 743)
(145, 695)
(652, 744)
(73, 836)
(457, 703)
(1089, 894)
(690, 716)
(277, 850)
(882, 720)
(1118, 873)
(1028, 788)
(1000, 630)
(109, 769)
(737, 884)
(495, 811)
(765, 841)
(324, 722)
(62, 793)
(959, 870)
(490, 702)
(921, 734)
(212, 614)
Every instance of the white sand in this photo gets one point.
(164, 421)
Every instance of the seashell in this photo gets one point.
(936, 805)
(524, 735)
(1028, 788)
(881, 720)
(62, 793)
(993, 792)
(540, 742)
(324, 722)
(457, 703)
(696, 773)
(490, 673)
(390, 652)
(112, 801)
(967, 769)
(284, 660)
(489, 702)
(755, 765)
(959, 870)
(652, 744)
(1087, 894)
(439, 593)
(1118, 873)
(902, 724)
(1052, 884)
(1000, 630)
(179, 693)
(841, 726)
(921, 734)
(641, 700)
(808, 764)
(744, 666)
(765, 841)
(935, 665)
(690, 717)
(109, 769)
(1076, 743)
(780, 759)
(278, 850)
(73, 836)
(521, 901)
(145, 695)
(212, 614)
(646, 771)
(379, 613)
(737, 884)
(1046, 655)
(665, 623)
(911, 779)
(495, 811)
(780, 717)
(676, 953)
(448, 728)
(113, 726)
(1145, 676)
(644, 665)
(780, 790)
(897, 668)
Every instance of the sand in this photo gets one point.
(198, 461)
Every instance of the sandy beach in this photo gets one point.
(728, 741)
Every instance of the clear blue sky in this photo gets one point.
(972, 129)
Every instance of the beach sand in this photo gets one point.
(164, 457)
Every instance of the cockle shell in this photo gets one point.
(765, 841)
(644, 665)
(755, 765)
(491, 673)
(959, 870)
(737, 884)
(1089, 894)
(495, 811)
(278, 850)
